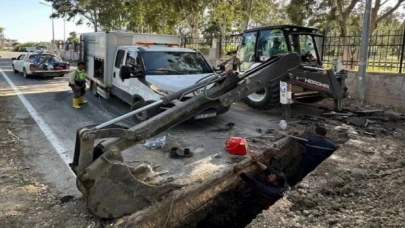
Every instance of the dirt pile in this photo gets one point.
(360, 185)
(24, 200)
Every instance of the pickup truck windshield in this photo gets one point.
(158, 63)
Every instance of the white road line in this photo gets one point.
(53, 139)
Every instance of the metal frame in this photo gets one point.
(386, 51)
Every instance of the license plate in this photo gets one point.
(202, 116)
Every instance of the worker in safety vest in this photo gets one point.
(77, 81)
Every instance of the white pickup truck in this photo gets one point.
(47, 65)
(163, 68)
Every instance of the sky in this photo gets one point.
(27, 20)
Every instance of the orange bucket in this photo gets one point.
(236, 146)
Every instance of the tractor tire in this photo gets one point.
(266, 98)
(145, 115)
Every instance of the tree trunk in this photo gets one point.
(222, 27)
(347, 56)
(194, 22)
(247, 16)
(95, 22)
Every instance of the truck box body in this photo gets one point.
(98, 50)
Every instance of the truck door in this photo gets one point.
(119, 61)
(131, 85)
(120, 87)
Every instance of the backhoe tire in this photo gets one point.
(266, 98)
(145, 115)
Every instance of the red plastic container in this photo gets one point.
(236, 146)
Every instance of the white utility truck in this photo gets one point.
(161, 68)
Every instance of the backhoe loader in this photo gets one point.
(114, 187)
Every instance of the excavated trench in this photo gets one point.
(238, 206)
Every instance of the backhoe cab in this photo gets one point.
(260, 44)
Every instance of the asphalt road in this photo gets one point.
(52, 99)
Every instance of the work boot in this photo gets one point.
(76, 103)
(82, 100)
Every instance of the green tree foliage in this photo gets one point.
(73, 38)
(1, 30)
(22, 46)
(215, 18)
(84, 9)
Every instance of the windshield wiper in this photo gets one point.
(169, 71)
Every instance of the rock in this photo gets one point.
(336, 206)
(337, 182)
(306, 212)
(357, 121)
(332, 221)
(392, 115)
(66, 199)
(57, 207)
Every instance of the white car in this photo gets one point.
(47, 65)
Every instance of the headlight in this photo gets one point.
(159, 91)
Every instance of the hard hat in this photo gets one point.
(236, 146)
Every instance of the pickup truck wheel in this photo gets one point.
(145, 115)
(25, 74)
(265, 99)
(93, 88)
(15, 71)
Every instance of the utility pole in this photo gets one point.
(64, 30)
(53, 29)
(365, 37)
(53, 26)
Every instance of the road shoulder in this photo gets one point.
(35, 190)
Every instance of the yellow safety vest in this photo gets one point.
(80, 75)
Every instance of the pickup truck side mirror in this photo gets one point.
(13, 58)
(125, 72)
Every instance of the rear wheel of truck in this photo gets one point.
(93, 89)
(144, 115)
(15, 71)
(25, 73)
(265, 99)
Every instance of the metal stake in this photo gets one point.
(363, 51)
